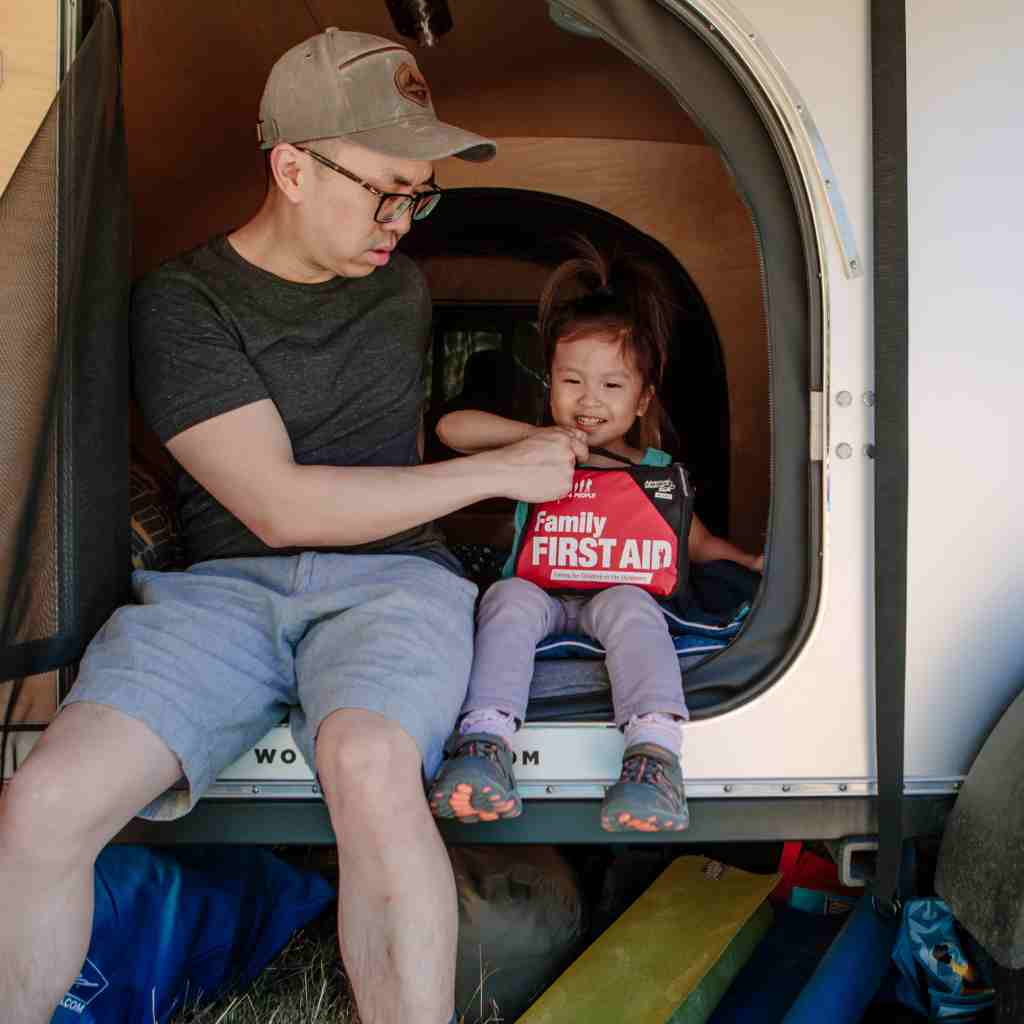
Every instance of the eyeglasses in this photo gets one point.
(393, 205)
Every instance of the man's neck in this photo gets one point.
(268, 241)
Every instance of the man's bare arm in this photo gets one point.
(244, 459)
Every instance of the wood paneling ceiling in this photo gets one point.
(194, 71)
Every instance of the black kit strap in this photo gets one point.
(611, 455)
(889, 121)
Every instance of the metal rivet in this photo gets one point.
(844, 398)
(728, 789)
(828, 183)
(854, 264)
(869, 451)
(799, 108)
(844, 451)
(842, 787)
(316, 790)
(869, 398)
(255, 789)
(549, 789)
(786, 788)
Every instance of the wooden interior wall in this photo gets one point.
(37, 701)
(194, 72)
(682, 196)
(28, 75)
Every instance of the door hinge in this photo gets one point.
(817, 438)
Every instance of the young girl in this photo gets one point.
(605, 329)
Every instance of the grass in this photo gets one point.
(306, 984)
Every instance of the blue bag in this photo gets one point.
(175, 929)
(942, 975)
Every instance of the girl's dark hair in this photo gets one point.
(626, 300)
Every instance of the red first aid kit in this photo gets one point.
(618, 525)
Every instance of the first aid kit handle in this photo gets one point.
(611, 455)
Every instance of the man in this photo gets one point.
(281, 365)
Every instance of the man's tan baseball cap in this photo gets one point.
(362, 88)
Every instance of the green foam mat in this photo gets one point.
(671, 956)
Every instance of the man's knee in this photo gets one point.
(363, 754)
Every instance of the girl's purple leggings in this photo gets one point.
(515, 614)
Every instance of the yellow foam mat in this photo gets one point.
(670, 956)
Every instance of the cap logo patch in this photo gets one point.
(411, 84)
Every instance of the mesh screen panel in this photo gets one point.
(64, 278)
(28, 371)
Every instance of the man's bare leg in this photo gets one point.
(90, 772)
(397, 912)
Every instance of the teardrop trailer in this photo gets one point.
(732, 143)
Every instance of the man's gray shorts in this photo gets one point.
(212, 658)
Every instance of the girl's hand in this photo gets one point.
(573, 433)
(540, 467)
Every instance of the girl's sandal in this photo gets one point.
(476, 783)
(649, 796)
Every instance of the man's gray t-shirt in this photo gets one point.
(341, 360)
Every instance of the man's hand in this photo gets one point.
(540, 467)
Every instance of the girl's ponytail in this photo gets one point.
(626, 300)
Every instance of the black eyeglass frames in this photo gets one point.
(393, 205)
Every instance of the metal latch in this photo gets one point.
(817, 438)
